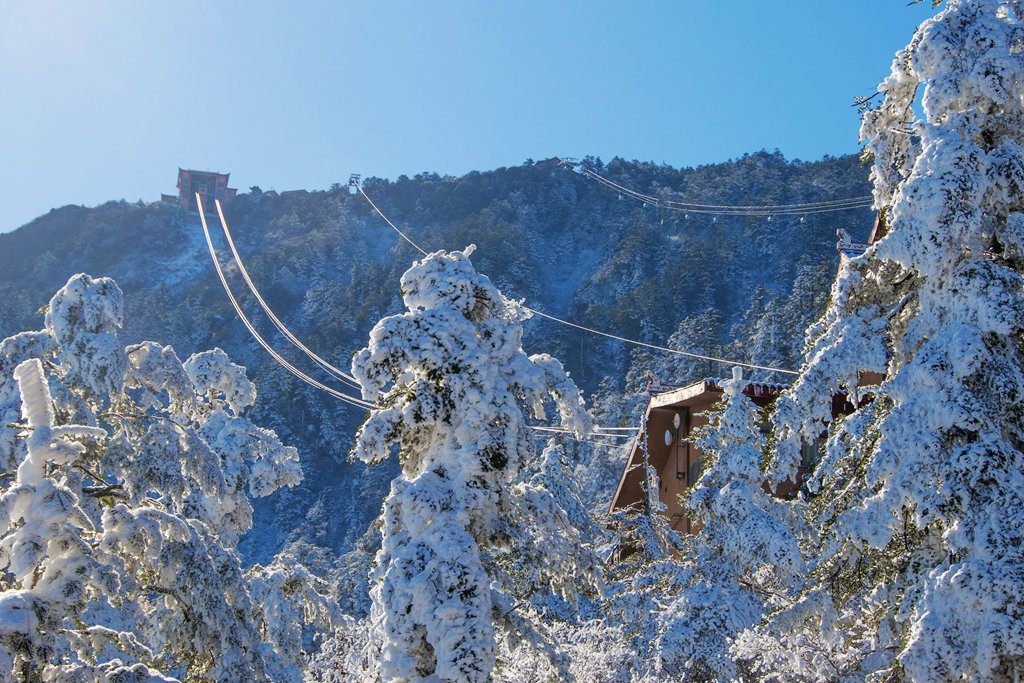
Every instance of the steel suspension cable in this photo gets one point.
(351, 400)
(822, 206)
(635, 342)
(337, 373)
(388, 221)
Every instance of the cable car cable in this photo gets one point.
(822, 206)
(688, 354)
(351, 400)
(339, 374)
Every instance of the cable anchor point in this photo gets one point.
(573, 164)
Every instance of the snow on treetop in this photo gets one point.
(451, 382)
(448, 280)
(220, 380)
(85, 304)
(83, 318)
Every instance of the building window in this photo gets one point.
(695, 471)
(808, 455)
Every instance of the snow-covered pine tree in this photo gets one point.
(125, 498)
(646, 574)
(921, 490)
(450, 379)
(744, 554)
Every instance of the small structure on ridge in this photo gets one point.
(210, 186)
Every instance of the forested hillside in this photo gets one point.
(741, 287)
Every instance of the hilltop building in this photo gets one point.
(210, 186)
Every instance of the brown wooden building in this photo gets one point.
(672, 417)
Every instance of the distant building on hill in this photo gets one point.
(210, 186)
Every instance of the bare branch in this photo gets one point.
(190, 614)
(95, 477)
(103, 491)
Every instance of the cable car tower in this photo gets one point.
(353, 183)
(573, 165)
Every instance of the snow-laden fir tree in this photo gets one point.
(744, 553)
(646, 574)
(451, 382)
(129, 483)
(919, 534)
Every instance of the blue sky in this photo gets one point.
(106, 100)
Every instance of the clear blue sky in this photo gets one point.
(105, 100)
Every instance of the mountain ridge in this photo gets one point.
(741, 287)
